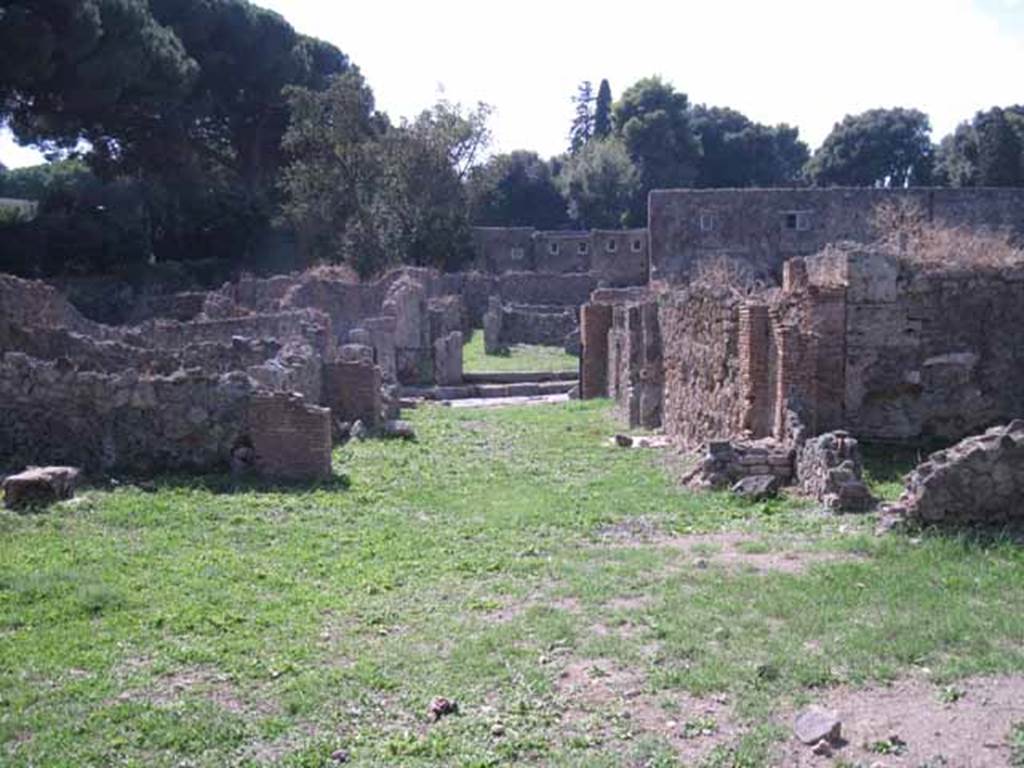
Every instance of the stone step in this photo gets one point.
(518, 377)
(483, 391)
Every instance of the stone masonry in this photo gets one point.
(980, 479)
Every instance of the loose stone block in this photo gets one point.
(40, 487)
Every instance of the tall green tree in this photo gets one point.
(987, 151)
(653, 121)
(603, 111)
(602, 185)
(878, 148)
(999, 150)
(736, 152)
(583, 120)
(184, 97)
(515, 190)
(956, 158)
(362, 191)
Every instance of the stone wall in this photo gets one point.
(930, 354)
(612, 257)
(536, 324)
(764, 227)
(56, 414)
(634, 370)
(703, 384)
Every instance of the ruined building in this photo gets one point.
(861, 341)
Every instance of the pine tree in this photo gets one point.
(603, 111)
(583, 123)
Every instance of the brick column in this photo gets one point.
(595, 322)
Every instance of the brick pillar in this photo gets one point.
(754, 352)
(595, 322)
(352, 390)
(291, 439)
(787, 373)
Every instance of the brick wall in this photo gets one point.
(291, 439)
(352, 391)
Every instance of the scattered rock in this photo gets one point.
(441, 706)
(358, 431)
(497, 729)
(624, 441)
(40, 487)
(830, 468)
(823, 749)
(400, 430)
(340, 756)
(757, 487)
(816, 724)
(980, 479)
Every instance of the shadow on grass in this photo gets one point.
(220, 484)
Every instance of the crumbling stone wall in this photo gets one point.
(54, 413)
(703, 384)
(765, 227)
(930, 354)
(635, 375)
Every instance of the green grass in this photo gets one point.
(520, 357)
(209, 625)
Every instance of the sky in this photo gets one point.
(804, 62)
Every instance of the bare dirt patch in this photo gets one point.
(915, 723)
(211, 684)
(736, 550)
(607, 704)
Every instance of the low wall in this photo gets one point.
(121, 421)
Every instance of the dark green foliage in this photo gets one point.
(583, 122)
(999, 150)
(653, 120)
(181, 100)
(603, 111)
(36, 182)
(602, 185)
(515, 190)
(878, 148)
(740, 153)
(73, 68)
(361, 191)
(988, 151)
(956, 158)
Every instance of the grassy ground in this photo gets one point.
(521, 357)
(508, 559)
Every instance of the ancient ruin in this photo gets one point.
(748, 327)
(855, 341)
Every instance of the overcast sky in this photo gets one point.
(805, 62)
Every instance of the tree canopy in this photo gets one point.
(515, 190)
(738, 152)
(877, 148)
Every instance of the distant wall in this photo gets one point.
(612, 257)
(764, 227)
